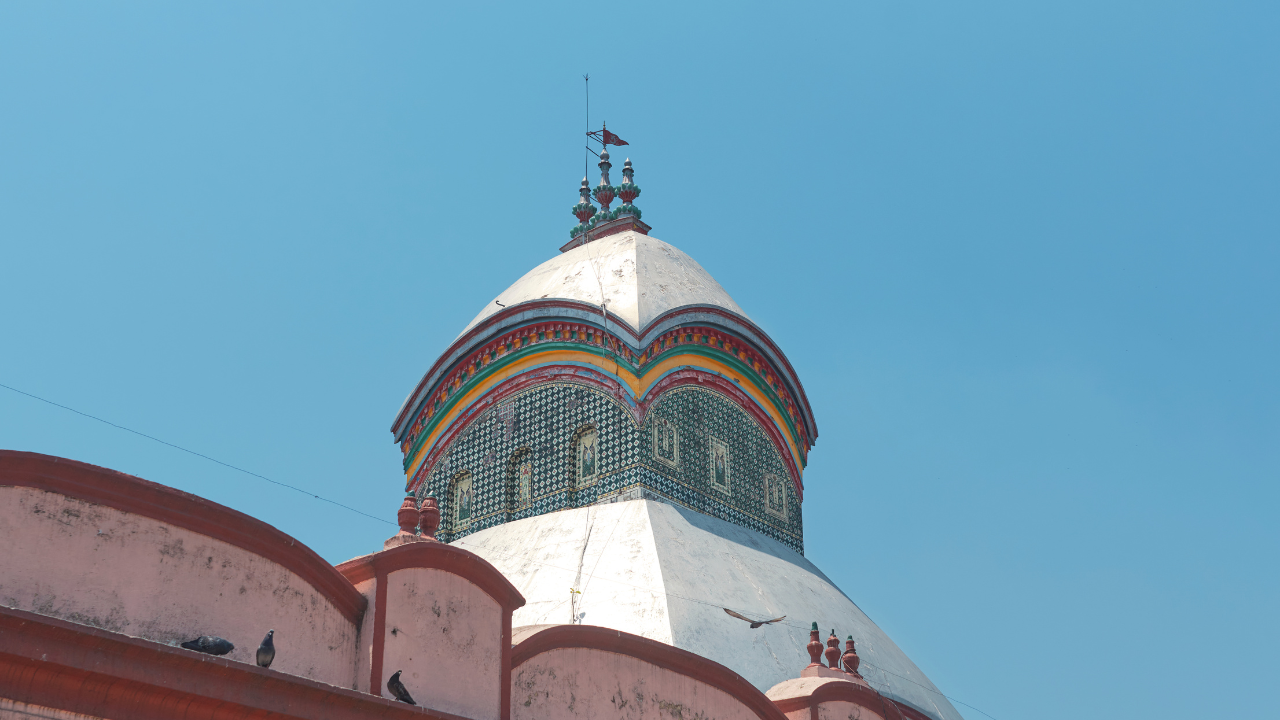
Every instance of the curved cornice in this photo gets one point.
(140, 497)
(453, 424)
(553, 310)
(701, 348)
(436, 556)
(682, 662)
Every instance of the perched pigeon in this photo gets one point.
(754, 623)
(267, 650)
(397, 688)
(209, 645)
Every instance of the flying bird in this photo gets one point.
(267, 650)
(754, 623)
(209, 645)
(398, 689)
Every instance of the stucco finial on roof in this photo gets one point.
(814, 647)
(604, 191)
(833, 651)
(429, 517)
(584, 210)
(850, 659)
(627, 192)
(407, 516)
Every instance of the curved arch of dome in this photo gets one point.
(637, 378)
(560, 369)
(572, 311)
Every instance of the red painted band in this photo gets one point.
(379, 632)
(439, 556)
(140, 497)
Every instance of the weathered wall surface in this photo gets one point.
(844, 710)
(587, 683)
(445, 634)
(103, 567)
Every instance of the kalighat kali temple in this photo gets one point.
(602, 520)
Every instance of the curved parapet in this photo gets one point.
(580, 671)
(102, 548)
(442, 616)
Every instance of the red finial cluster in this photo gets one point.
(833, 651)
(430, 517)
(411, 518)
(850, 659)
(814, 647)
(407, 516)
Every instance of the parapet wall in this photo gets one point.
(116, 552)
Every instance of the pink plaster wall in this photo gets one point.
(445, 633)
(845, 710)
(99, 566)
(584, 683)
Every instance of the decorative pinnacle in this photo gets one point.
(407, 515)
(850, 659)
(814, 647)
(628, 191)
(833, 651)
(429, 517)
(604, 191)
(584, 210)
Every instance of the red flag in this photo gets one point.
(611, 139)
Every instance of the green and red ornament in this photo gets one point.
(627, 192)
(584, 211)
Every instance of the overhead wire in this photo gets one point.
(197, 454)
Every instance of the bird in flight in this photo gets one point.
(754, 623)
(398, 689)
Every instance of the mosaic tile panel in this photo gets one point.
(561, 445)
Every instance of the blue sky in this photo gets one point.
(1022, 255)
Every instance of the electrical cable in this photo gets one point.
(201, 455)
(458, 542)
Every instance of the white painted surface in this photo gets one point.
(666, 573)
(637, 276)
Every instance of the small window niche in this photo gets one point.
(775, 496)
(666, 442)
(586, 454)
(462, 497)
(721, 465)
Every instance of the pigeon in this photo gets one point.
(209, 645)
(267, 650)
(397, 688)
(754, 623)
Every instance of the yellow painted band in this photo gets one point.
(637, 385)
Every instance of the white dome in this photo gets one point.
(666, 573)
(639, 278)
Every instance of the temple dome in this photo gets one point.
(666, 573)
(639, 277)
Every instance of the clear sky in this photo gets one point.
(1022, 255)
